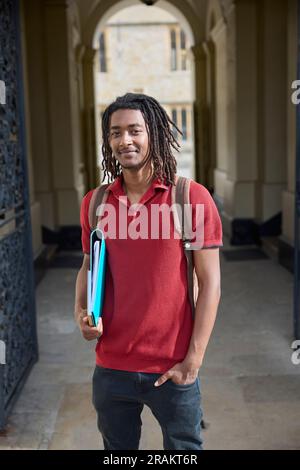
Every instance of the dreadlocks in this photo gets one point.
(161, 137)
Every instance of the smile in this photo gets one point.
(128, 153)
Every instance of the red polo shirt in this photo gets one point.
(147, 319)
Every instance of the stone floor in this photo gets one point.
(250, 387)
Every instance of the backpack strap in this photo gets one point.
(181, 196)
(98, 198)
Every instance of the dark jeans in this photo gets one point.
(119, 398)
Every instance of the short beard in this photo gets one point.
(137, 166)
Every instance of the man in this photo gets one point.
(150, 348)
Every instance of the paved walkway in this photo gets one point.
(250, 388)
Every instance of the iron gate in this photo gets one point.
(17, 305)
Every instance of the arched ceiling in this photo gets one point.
(191, 11)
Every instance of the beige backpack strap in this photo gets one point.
(181, 196)
(98, 198)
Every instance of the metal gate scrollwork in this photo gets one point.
(17, 306)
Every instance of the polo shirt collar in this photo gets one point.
(117, 189)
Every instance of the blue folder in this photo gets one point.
(96, 276)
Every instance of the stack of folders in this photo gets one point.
(96, 277)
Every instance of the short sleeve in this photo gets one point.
(84, 222)
(206, 221)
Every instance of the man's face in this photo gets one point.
(128, 138)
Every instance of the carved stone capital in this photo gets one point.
(88, 54)
(198, 51)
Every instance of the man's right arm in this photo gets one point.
(81, 290)
(80, 310)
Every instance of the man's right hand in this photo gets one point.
(90, 332)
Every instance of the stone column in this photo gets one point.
(200, 114)
(288, 198)
(272, 75)
(35, 209)
(236, 115)
(218, 96)
(209, 48)
(90, 132)
(38, 128)
(63, 121)
(241, 115)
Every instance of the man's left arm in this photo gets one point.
(207, 267)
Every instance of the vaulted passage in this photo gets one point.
(223, 70)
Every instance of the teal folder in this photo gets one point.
(96, 276)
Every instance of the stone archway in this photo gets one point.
(180, 9)
(195, 30)
(215, 23)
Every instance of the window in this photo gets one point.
(183, 124)
(178, 42)
(173, 50)
(181, 116)
(183, 49)
(182, 39)
(103, 64)
(174, 119)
